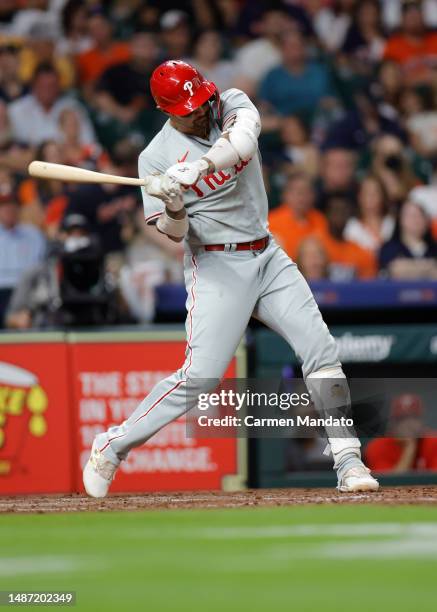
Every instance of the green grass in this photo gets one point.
(243, 559)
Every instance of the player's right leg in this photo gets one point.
(287, 305)
(221, 296)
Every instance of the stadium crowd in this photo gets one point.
(347, 90)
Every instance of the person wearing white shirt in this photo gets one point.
(22, 246)
(426, 197)
(331, 24)
(35, 118)
(257, 57)
(392, 10)
(373, 226)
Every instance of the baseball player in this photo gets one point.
(209, 192)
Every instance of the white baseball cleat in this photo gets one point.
(357, 478)
(98, 473)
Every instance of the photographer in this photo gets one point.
(393, 168)
(68, 288)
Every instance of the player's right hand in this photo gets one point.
(188, 173)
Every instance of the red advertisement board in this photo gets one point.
(58, 390)
(109, 380)
(36, 454)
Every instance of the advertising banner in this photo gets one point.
(359, 344)
(36, 437)
(109, 380)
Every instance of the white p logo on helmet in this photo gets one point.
(188, 86)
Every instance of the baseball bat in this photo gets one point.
(61, 172)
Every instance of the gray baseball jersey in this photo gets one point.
(227, 206)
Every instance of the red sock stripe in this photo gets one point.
(107, 443)
(145, 414)
(160, 400)
(190, 314)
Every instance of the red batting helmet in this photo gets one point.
(179, 88)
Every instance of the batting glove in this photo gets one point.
(188, 173)
(166, 189)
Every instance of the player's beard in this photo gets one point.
(199, 126)
(202, 126)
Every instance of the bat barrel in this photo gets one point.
(61, 172)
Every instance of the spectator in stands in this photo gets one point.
(387, 88)
(123, 90)
(148, 244)
(109, 208)
(21, 246)
(410, 446)
(392, 13)
(74, 151)
(332, 22)
(299, 153)
(347, 259)
(312, 259)
(43, 201)
(364, 42)
(296, 218)
(68, 288)
(126, 15)
(147, 16)
(24, 14)
(420, 119)
(13, 156)
(207, 58)
(35, 117)
(359, 126)
(337, 175)
(412, 252)
(414, 48)
(74, 22)
(257, 57)
(298, 85)
(425, 196)
(11, 85)
(392, 166)
(105, 51)
(40, 49)
(387, 127)
(373, 225)
(5, 128)
(175, 34)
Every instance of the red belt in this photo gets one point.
(254, 245)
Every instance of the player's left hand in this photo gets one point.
(166, 189)
(163, 187)
(188, 173)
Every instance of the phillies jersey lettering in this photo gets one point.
(217, 179)
(226, 206)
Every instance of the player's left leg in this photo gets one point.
(287, 306)
(222, 292)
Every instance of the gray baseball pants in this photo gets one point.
(224, 290)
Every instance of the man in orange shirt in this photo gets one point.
(105, 52)
(408, 449)
(296, 218)
(347, 259)
(413, 47)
